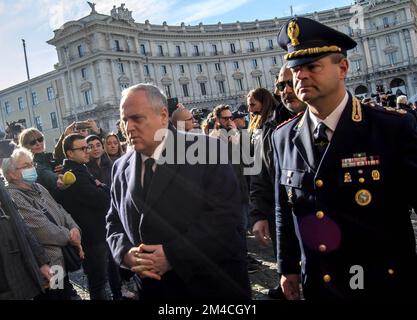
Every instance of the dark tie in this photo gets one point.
(320, 140)
(147, 178)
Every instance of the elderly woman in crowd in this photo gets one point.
(46, 167)
(113, 146)
(37, 207)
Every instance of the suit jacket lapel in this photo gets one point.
(303, 141)
(164, 173)
(132, 176)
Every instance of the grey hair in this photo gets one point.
(9, 164)
(155, 95)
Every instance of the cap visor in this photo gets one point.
(307, 59)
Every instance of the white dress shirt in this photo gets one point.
(156, 155)
(331, 120)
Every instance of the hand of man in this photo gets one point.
(81, 252)
(261, 232)
(93, 126)
(141, 266)
(290, 284)
(58, 168)
(60, 183)
(156, 254)
(70, 129)
(99, 183)
(75, 237)
(46, 273)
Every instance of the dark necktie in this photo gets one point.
(147, 178)
(320, 140)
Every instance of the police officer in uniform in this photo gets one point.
(343, 176)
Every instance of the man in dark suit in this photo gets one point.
(177, 226)
(343, 176)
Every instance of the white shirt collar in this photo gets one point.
(331, 120)
(158, 151)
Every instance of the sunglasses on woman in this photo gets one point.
(33, 142)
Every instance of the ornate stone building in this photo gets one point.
(205, 65)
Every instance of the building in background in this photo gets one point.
(205, 65)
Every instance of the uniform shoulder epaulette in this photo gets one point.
(389, 110)
(290, 119)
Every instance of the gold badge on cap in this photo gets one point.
(293, 32)
(363, 197)
(376, 175)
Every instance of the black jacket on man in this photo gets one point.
(194, 211)
(262, 196)
(348, 213)
(87, 203)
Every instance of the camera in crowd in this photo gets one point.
(200, 114)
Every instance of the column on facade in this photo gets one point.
(246, 76)
(228, 89)
(75, 91)
(114, 75)
(96, 89)
(267, 83)
(379, 51)
(105, 80)
(411, 90)
(212, 81)
(210, 87)
(413, 39)
(367, 53)
(403, 46)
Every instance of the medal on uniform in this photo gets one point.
(363, 197)
(348, 177)
(376, 175)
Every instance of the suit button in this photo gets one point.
(320, 215)
(319, 183)
(361, 180)
(322, 248)
(327, 278)
(391, 271)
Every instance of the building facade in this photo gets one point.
(205, 65)
(38, 103)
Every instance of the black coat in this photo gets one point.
(102, 172)
(21, 255)
(195, 212)
(87, 203)
(262, 197)
(341, 217)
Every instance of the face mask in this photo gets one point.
(29, 175)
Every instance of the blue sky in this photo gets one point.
(35, 20)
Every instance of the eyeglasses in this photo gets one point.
(84, 149)
(33, 142)
(282, 84)
(227, 118)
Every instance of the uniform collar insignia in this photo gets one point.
(356, 110)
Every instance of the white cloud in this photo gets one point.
(205, 9)
(156, 11)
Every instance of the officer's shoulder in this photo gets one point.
(290, 121)
(385, 111)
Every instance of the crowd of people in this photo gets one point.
(325, 194)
